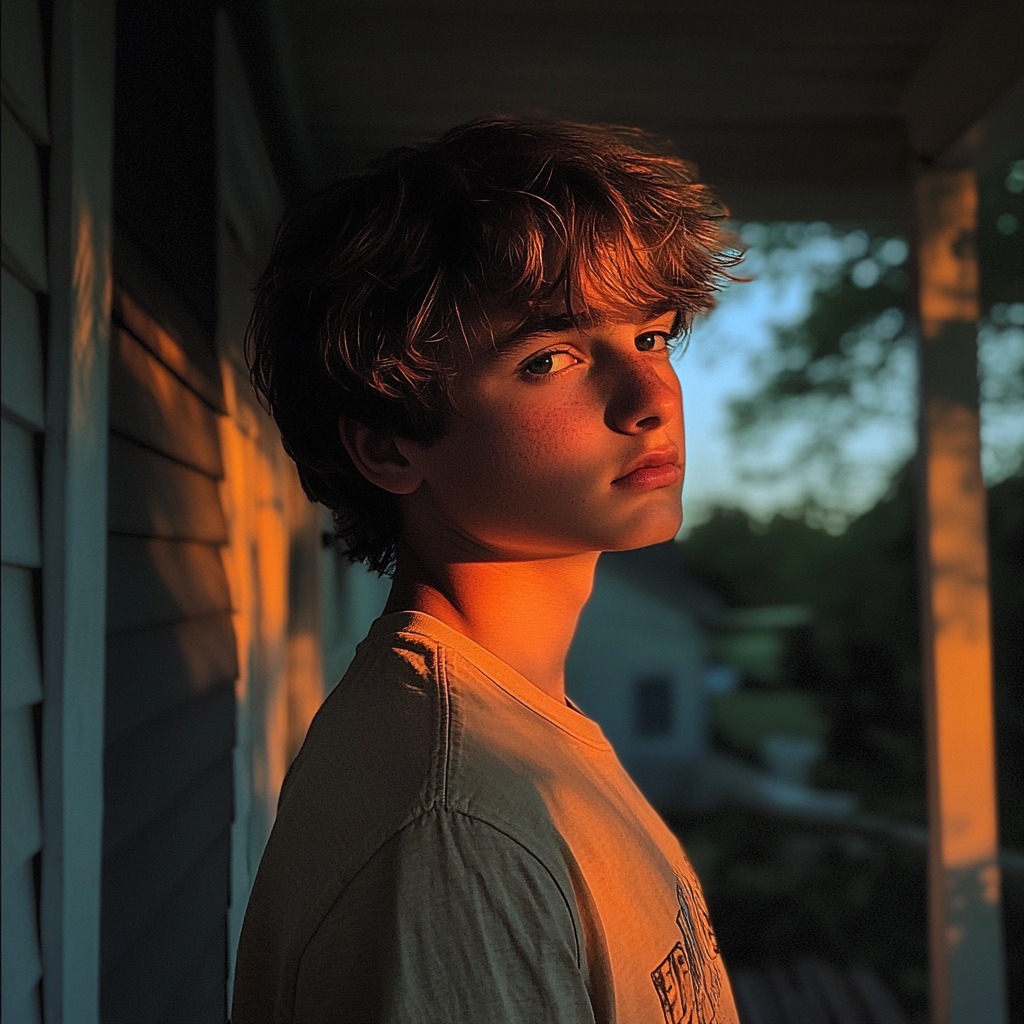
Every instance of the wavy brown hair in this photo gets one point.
(379, 282)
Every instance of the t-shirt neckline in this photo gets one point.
(517, 686)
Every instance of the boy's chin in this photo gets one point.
(643, 534)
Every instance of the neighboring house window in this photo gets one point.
(653, 711)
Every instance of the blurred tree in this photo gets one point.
(860, 654)
(856, 899)
(835, 399)
(1001, 331)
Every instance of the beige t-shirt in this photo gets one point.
(453, 846)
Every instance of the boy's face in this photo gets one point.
(562, 442)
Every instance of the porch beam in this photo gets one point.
(941, 102)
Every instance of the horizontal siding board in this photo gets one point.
(149, 769)
(202, 998)
(188, 920)
(151, 405)
(22, 46)
(203, 380)
(22, 378)
(152, 496)
(23, 226)
(22, 835)
(153, 581)
(21, 964)
(22, 1007)
(875, 995)
(151, 670)
(151, 865)
(19, 527)
(21, 674)
(141, 281)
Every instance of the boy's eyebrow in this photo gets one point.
(554, 323)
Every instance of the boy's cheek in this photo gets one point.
(530, 439)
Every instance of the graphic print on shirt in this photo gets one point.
(687, 980)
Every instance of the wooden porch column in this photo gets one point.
(964, 885)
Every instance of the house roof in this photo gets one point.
(661, 570)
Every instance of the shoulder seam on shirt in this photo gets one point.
(394, 835)
(511, 838)
(422, 813)
(445, 694)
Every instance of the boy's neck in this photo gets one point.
(524, 612)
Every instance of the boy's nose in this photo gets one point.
(643, 400)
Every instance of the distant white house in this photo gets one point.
(639, 665)
(658, 660)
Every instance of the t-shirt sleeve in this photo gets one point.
(450, 922)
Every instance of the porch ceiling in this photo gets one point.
(793, 108)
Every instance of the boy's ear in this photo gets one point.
(377, 457)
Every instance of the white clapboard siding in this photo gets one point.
(22, 679)
(171, 667)
(204, 988)
(152, 496)
(21, 840)
(22, 379)
(153, 669)
(22, 1007)
(19, 983)
(25, 276)
(21, 829)
(152, 581)
(177, 748)
(19, 532)
(250, 206)
(23, 223)
(171, 937)
(145, 872)
(197, 367)
(152, 406)
(22, 47)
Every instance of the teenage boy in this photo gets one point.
(466, 350)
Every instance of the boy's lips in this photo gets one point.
(653, 469)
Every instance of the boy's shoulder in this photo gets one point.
(398, 781)
(415, 726)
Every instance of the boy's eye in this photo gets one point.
(652, 341)
(550, 362)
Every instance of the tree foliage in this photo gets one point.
(835, 396)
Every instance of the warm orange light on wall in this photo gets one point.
(280, 680)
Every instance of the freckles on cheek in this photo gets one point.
(551, 465)
(543, 438)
